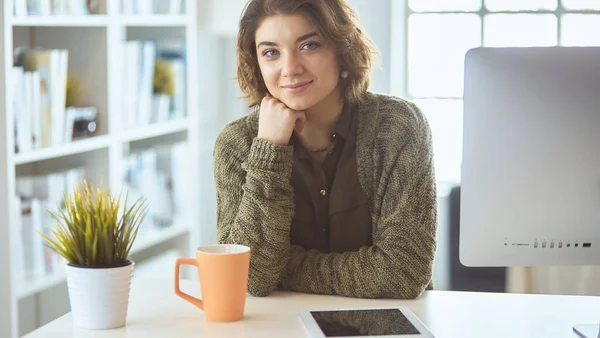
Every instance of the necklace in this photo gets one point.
(322, 149)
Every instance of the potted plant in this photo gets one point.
(95, 241)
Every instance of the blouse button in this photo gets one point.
(323, 192)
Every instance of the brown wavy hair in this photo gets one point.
(334, 20)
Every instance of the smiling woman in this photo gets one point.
(331, 186)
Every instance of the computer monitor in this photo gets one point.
(530, 186)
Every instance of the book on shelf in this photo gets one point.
(51, 7)
(42, 118)
(149, 7)
(154, 82)
(35, 194)
(159, 175)
(40, 76)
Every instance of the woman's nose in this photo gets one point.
(292, 66)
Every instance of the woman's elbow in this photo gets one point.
(257, 289)
(412, 292)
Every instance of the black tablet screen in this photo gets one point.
(356, 323)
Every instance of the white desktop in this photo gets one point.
(530, 186)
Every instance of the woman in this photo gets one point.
(332, 187)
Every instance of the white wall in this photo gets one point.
(375, 18)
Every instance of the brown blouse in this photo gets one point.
(331, 209)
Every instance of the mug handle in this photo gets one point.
(178, 292)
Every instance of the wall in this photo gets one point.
(374, 15)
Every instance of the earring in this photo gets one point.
(344, 74)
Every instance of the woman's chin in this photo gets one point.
(298, 104)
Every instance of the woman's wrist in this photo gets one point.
(266, 155)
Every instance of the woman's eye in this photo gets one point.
(269, 53)
(310, 46)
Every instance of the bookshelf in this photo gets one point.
(96, 44)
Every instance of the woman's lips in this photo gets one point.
(297, 88)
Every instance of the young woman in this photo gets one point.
(331, 186)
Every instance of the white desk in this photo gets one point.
(155, 311)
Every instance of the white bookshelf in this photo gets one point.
(156, 130)
(73, 148)
(95, 44)
(61, 21)
(155, 21)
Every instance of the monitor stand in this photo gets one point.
(587, 330)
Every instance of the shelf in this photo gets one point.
(156, 130)
(72, 148)
(32, 286)
(61, 21)
(158, 236)
(143, 242)
(155, 21)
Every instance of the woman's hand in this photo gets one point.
(277, 121)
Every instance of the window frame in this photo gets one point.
(400, 13)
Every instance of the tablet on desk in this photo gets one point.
(398, 322)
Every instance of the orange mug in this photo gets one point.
(223, 273)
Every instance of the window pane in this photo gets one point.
(581, 4)
(437, 44)
(444, 5)
(520, 30)
(580, 30)
(445, 120)
(520, 5)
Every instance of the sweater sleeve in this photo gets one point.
(255, 204)
(399, 263)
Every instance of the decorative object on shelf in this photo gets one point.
(75, 90)
(96, 242)
(82, 121)
(164, 78)
(163, 90)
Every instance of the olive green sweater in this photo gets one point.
(395, 167)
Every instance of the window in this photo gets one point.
(430, 44)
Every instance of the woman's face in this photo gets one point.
(299, 68)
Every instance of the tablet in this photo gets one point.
(373, 322)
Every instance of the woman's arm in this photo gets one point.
(255, 203)
(399, 263)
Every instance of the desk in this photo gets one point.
(155, 311)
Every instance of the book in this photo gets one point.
(47, 118)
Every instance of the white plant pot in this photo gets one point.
(99, 296)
